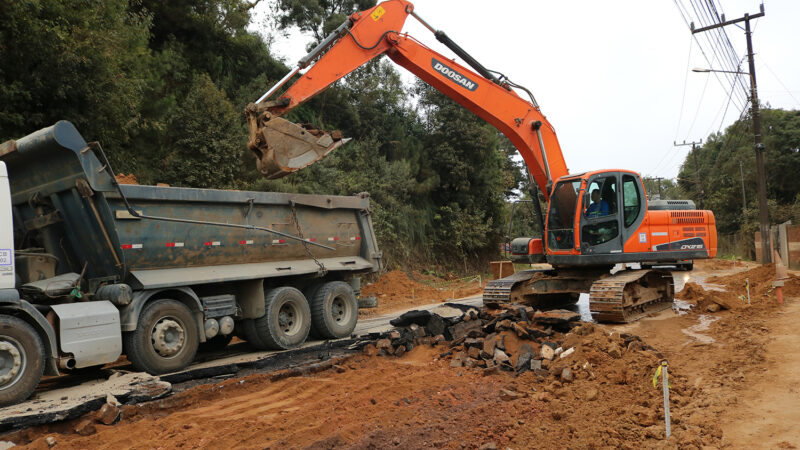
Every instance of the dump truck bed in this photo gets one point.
(159, 253)
(64, 192)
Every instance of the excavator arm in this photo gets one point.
(283, 147)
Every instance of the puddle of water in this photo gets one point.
(583, 308)
(681, 306)
(694, 331)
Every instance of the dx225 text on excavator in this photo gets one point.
(592, 221)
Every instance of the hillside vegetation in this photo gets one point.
(162, 85)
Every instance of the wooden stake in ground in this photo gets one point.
(662, 371)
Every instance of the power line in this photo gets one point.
(779, 80)
(726, 108)
(699, 104)
(685, 14)
(723, 39)
(724, 54)
(685, 80)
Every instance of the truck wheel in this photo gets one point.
(165, 340)
(21, 360)
(309, 292)
(286, 323)
(334, 310)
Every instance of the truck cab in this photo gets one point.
(7, 278)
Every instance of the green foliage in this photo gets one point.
(204, 139)
(720, 159)
(162, 86)
(85, 61)
(666, 188)
(318, 17)
(465, 153)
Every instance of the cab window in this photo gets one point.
(600, 198)
(561, 215)
(631, 198)
(601, 223)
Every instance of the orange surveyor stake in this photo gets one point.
(780, 275)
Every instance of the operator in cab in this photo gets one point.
(598, 207)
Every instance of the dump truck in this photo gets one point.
(91, 269)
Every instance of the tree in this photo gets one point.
(465, 153)
(719, 166)
(667, 189)
(205, 139)
(318, 17)
(81, 61)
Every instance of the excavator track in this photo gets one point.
(630, 295)
(540, 288)
(500, 290)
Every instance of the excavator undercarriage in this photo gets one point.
(621, 297)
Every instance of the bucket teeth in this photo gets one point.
(283, 147)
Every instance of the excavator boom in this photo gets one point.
(283, 147)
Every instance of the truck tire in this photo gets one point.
(165, 339)
(334, 310)
(286, 323)
(21, 360)
(249, 334)
(309, 293)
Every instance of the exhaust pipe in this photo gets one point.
(66, 362)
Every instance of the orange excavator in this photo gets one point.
(593, 221)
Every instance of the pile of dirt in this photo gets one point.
(760, 279)
(734, 295)
(126, 179)
(716, 264)
(395, 290)
(709, 301)
(574, 381)
(422, 400)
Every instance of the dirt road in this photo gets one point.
(767, 414)
(734, 384)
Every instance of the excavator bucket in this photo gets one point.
(282, 147)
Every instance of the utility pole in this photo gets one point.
(761, 177)
(658, 180)
(699, 183)
(744, 196)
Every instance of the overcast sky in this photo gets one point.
(610, 76)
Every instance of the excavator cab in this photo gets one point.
(595, 213)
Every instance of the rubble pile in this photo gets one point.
(760, 279)
(708, 301)
(734, 296)
(511, 338)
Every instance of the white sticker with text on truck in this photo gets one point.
(5, 257)
(643, 238)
